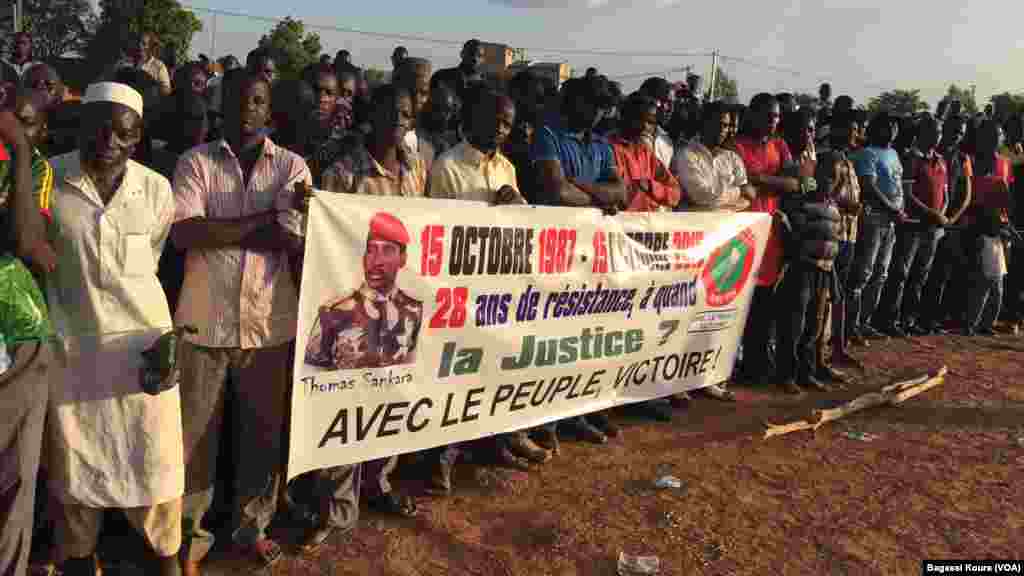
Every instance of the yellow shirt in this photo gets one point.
(465, 173)
(156, 69)
(359, 173)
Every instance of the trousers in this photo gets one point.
(802, 296)
(912, 262)
(23, 398)
(260, 376)
(78, 528)
(870, 268)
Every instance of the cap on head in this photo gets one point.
(116, 93)
(384, 226)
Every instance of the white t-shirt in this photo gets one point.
(993, 257)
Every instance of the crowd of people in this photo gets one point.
(178, 197)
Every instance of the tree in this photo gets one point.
(58, 27)
(167, 19)
(726, 89)
(294, 48)
(966, 97)
(903, 102)
(376, 76)
(1007, 105)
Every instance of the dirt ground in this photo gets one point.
(940, 479)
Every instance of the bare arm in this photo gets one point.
(273, 238)
(556, 186)
(607, 194)
(29, 224)
(776, 184)
(968, 196)
(213, 233)
(935, 215)
(869, 184)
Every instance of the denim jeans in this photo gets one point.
(944, 292)
(912, 262)
(870, 267)
(984, 302)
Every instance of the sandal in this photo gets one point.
(392, 503)
(268, 551)
(315, 538)
(49, 569)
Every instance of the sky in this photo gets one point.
(861, 47)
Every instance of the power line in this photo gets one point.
(659, 73)
(541, 50)
(449, 42)
(791, 71)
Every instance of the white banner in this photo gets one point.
(428, 322)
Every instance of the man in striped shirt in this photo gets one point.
(234, 218)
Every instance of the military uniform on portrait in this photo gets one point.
(365, 330)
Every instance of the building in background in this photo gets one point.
(497, 59)
(557, 72)
(502, 62)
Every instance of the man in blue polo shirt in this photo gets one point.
(576, 167)
(881, 182)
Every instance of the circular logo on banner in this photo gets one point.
(728, 269)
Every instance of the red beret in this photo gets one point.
(384, 226)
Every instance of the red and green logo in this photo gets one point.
(728, 269)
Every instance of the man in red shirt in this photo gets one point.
(771, 171)
(919, 237)
(650, 186)
(993, 173)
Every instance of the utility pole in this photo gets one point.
(18, 16)
(714, 75)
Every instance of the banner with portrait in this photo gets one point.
(428, 322)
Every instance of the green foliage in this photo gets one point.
(58, 27)
(1006, 105)
(375, 76)
(173, 25)
(966, 97)
(726, 88)
(293, 46)
(902, 102)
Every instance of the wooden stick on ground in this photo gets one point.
(906, 383)
(891, 395)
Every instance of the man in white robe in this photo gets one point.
(113, 444)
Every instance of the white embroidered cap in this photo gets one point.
(116, 93)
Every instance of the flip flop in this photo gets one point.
(268, 551)
(392, 503)
(315, 539)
